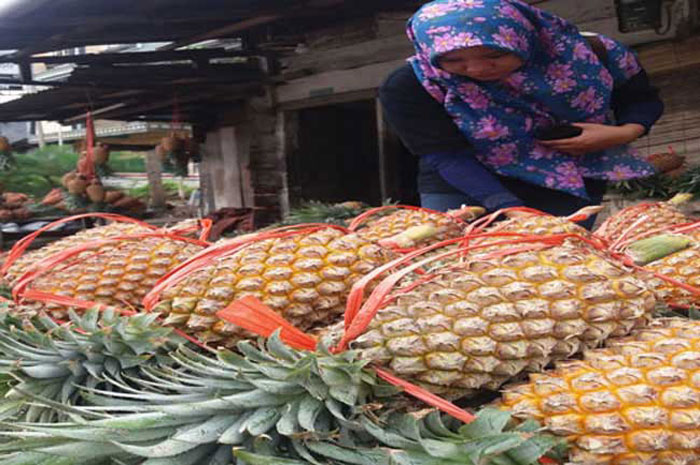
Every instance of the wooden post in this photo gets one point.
(381, 150)
(154, 171)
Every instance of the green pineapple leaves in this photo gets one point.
(123, 392)
(51, 360)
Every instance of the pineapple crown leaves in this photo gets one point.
(417, 439)
(275, 405)
(192, 405)
(318, 212)
(52, 360)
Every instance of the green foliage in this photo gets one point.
(36, 173)
(127, 162)
(171, 190)
(318, 212)
(660, 186)
(54, 361)
(272, 405)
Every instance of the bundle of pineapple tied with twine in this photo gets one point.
(373, 334)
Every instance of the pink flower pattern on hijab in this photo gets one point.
(561, 81)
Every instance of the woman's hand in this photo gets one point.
(596, 137)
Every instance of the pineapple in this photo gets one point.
(305, 277)
(542, 224)
(25, 261)
(635, 403)
(640, 220)
(448, 225)
(115, 273)
(480, 323)
(681, 265)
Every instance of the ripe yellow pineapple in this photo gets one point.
(482, 322)
(115, 273)
(638, 220)
(681, 265)
(447, 225)
(635, 403)
(305, 277)
(542, 224)
(27, 259)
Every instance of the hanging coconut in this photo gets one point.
(101, 153)
(78, 185)
(95, 191)
(67, 178)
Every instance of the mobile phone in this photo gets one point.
(560, 131)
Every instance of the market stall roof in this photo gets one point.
(140, 92)
(145, 85)
(34, 26)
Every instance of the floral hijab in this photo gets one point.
(561, 81)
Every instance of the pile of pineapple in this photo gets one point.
(384, 342)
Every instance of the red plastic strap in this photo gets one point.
(604, 229)
(46, 297)
(22, 245)
(426, 396)
(358, 316)
(621, 244)
(251, 314)
(215, 252)
(206, 225)
(482, 223)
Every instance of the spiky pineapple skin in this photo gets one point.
(635, 403)
(539, 225)
(305, 278)
(653, 217)
(31, 257)
(480, 324)
(117, 273)
(403, 219)
(682, 266)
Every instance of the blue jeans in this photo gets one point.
(548, 200)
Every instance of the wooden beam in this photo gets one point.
(97, 112)
(135, 57)
(225, 31)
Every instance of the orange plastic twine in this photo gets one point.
(618, 247)
(203, 224)
(622, 232)
(621, 243)
(251, 314)
(24, 243)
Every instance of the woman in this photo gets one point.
(490, 81)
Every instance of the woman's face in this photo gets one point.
(480, 63)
